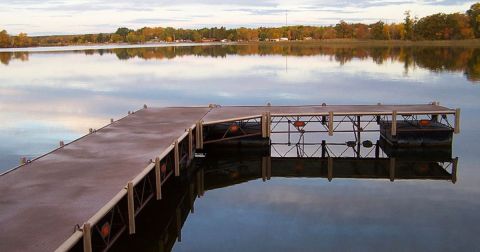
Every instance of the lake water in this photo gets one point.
(46, 97)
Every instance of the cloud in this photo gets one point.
(157, 21)
(84, 16)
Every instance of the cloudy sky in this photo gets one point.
(39, 17)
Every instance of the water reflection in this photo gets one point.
(46, 97)
(224, 168)
(436, 59)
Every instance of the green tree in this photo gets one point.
(134, 38)
(123, 32)
(196, 36)
(408, 26)
(116, 38)
(377, 30)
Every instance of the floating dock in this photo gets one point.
(84, 194)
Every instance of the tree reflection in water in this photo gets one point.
(432, 58)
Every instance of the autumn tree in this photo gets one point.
(474, 16)
(5, 40)
(22, 40)
(444, 26)
(360, 31)
(343, 30)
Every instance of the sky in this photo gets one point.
(48, 17)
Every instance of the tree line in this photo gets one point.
(438, 26)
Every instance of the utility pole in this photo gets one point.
(286, 17)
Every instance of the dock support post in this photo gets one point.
(87, 237)
(392, 169)
(158, 178)
(330, 123)
(457, 121)
(264, 168)
(192, 197)
(131, 209)
(199, 135)
(269, 168)
(324, 148)
(178, 213)
(394, 123)
(377, 149)
(454, 170)
(330, 168)
(199, 184)
(190, 144)
(177, 159)
(202, 173)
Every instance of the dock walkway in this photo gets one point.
(43, 201)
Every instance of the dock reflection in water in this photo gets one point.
(159, 226)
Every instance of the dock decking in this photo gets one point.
(43, 201)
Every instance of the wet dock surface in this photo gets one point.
(42, 201)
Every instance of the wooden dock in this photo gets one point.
(69, 197)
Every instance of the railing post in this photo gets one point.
(264, 125)
(268, 124)
(131, 208)
(177, 159)
(457, 121)
(87, 237)
(158, 178)
(394, 123)
(190, 144)
(199, 135)
(330, 123)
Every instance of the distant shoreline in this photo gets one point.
(323, 42)
(372, 42)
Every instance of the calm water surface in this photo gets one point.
(46, 97)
